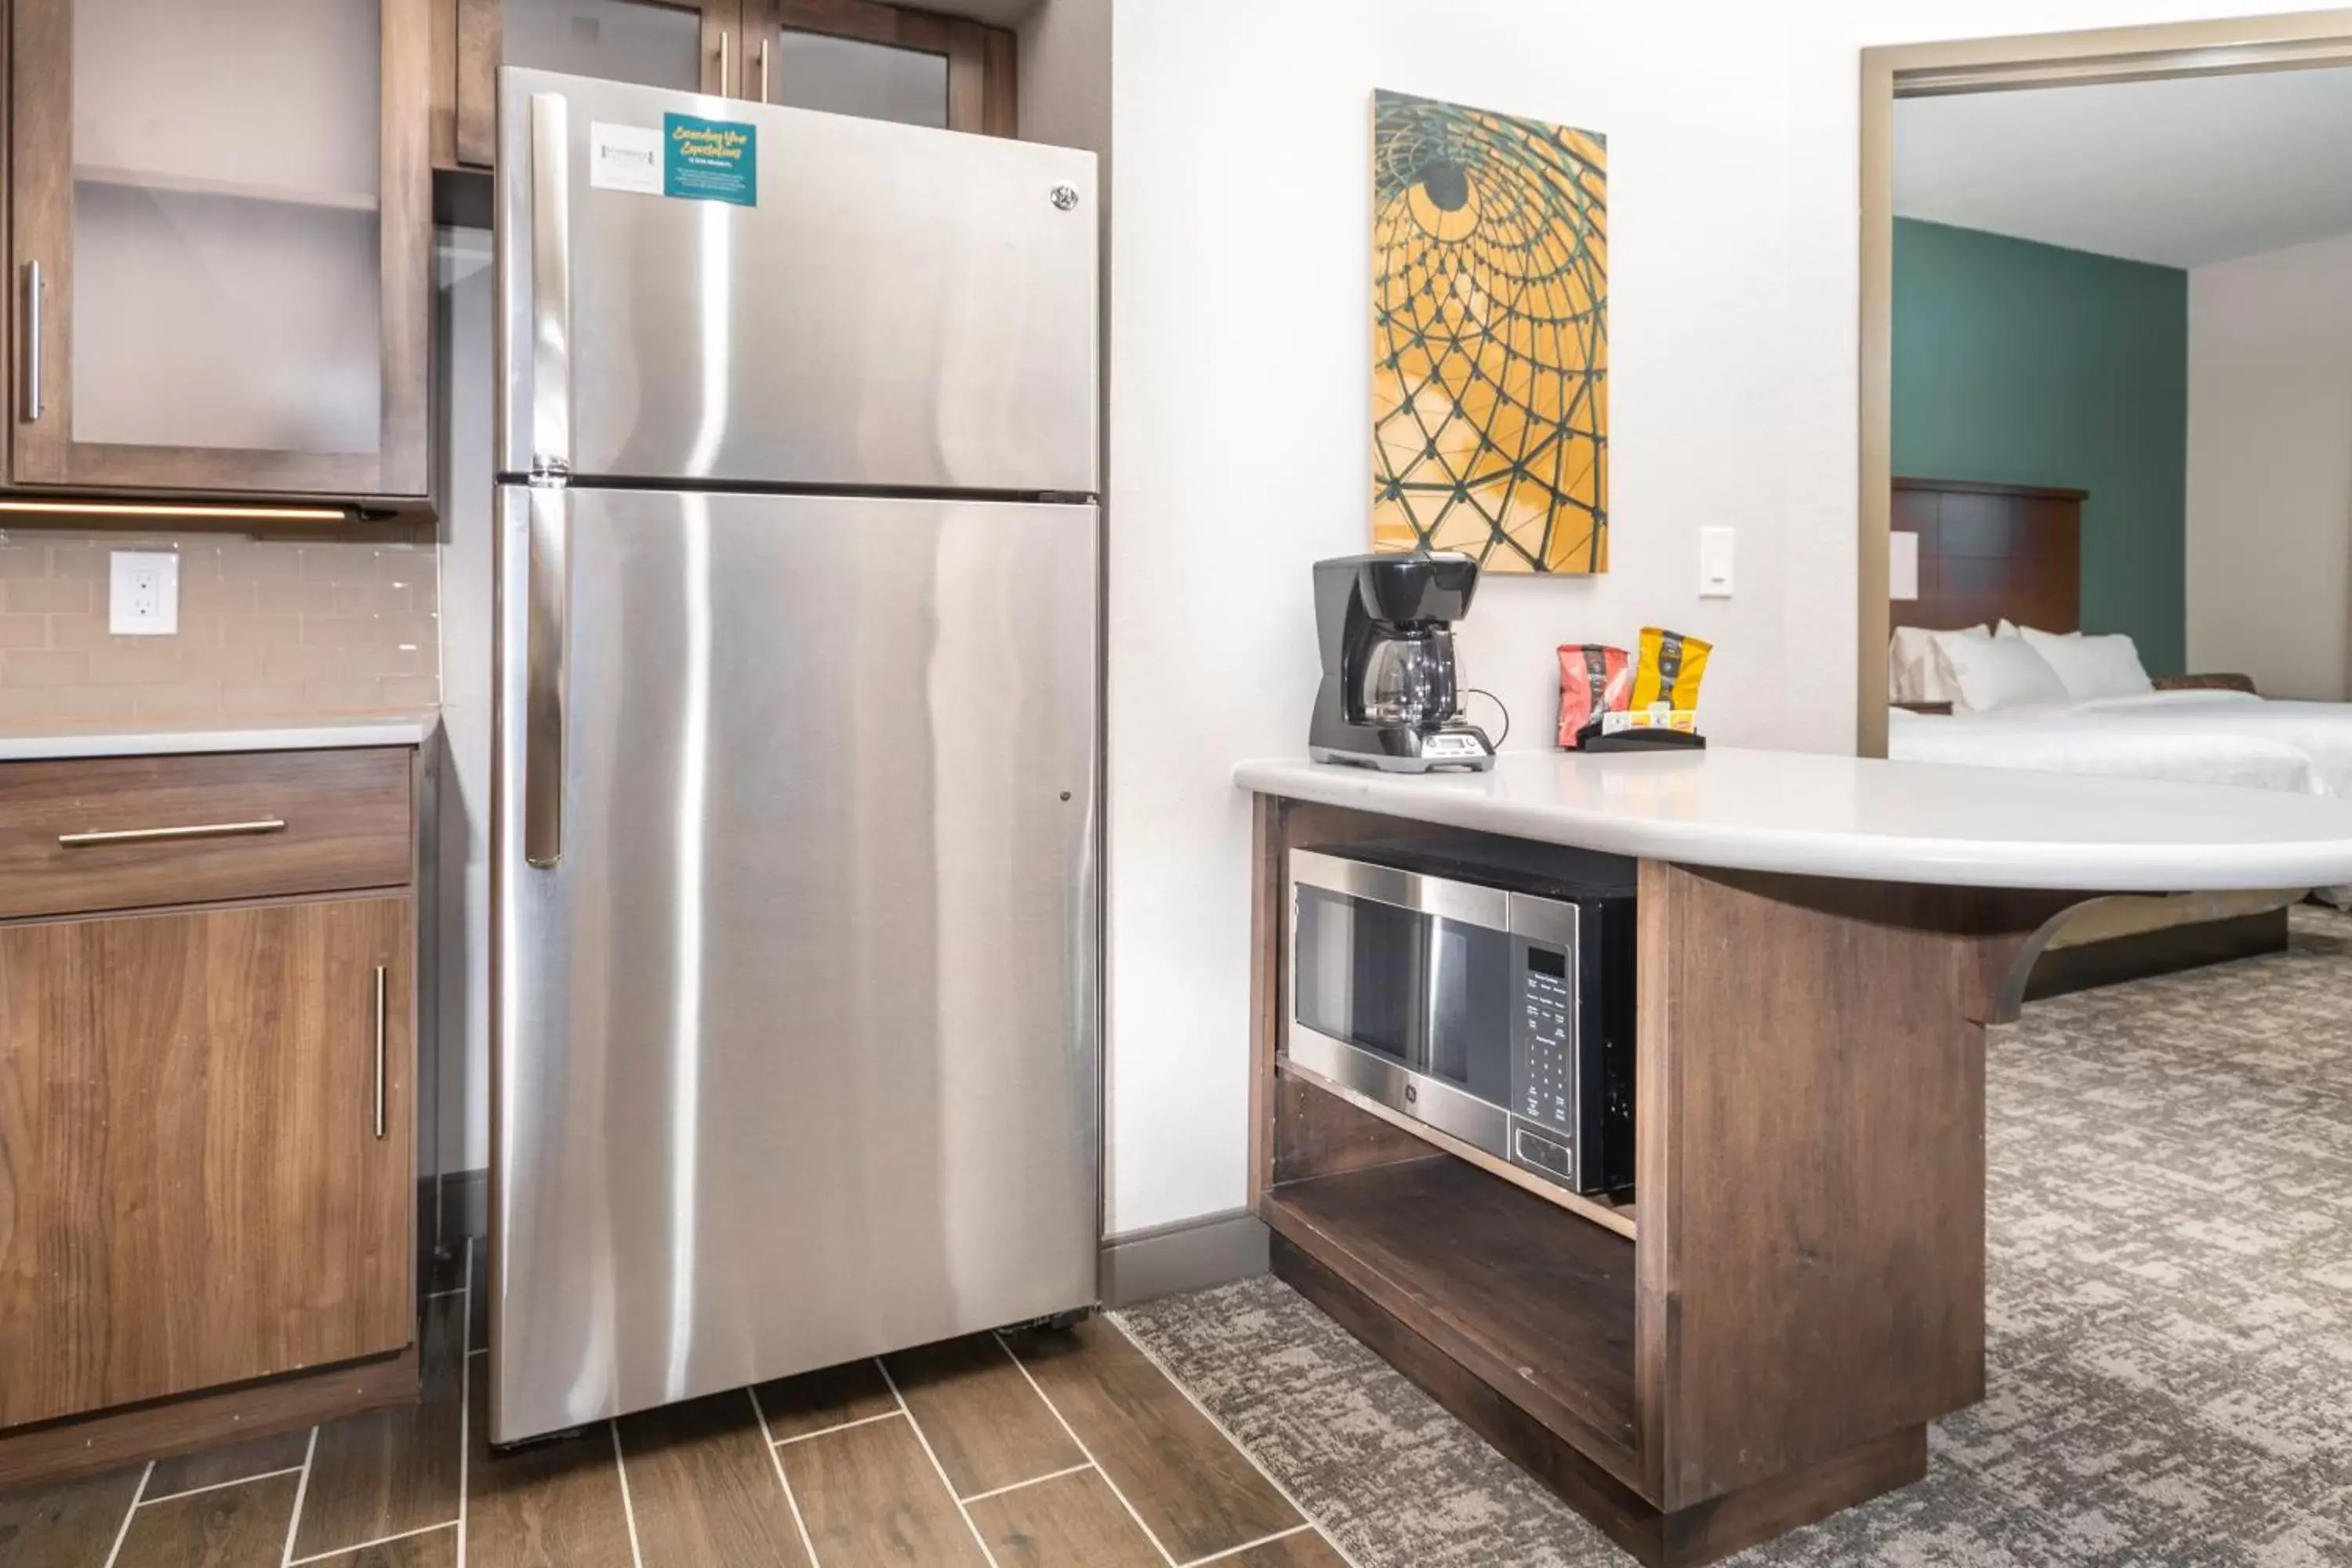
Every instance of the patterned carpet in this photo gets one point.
(2170, 1321)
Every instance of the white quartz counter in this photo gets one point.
(1878, 821)
(135, 739)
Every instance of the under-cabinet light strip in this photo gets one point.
(157, 509)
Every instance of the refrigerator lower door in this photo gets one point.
(795, 1034)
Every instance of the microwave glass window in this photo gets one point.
(1359, 972)
(1470, 994)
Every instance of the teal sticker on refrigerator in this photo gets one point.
(711, 160)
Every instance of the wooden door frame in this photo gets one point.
(40, 210)
(2308, 40)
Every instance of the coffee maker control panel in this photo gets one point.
(1447, 744)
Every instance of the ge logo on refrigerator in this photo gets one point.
(1065, 197)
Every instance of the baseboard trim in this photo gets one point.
(189, 1422)
(1189, 1255)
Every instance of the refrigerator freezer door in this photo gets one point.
(794, 1041)
(891, 308)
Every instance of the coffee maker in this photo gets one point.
(1391, 696)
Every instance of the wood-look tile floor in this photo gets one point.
(1037, 1449)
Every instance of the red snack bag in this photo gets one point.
(1593, 681)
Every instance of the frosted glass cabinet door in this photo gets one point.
(687, 46)
(222, 237)
(676, 43)
(882, 62)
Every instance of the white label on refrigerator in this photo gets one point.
(625, 158)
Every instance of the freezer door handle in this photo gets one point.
(546, 590)
(550, 284)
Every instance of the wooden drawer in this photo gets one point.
(345, 817)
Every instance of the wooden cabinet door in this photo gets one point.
(196, 1184)
(221, 238)
(686, 45)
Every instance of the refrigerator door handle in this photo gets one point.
(547, 591)
(551, 284)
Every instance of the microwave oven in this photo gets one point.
(1491, 998)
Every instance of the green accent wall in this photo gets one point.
(2031, 365)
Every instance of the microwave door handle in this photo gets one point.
(551, 286)
(1420, 1048)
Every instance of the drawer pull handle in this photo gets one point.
(166, 834)
(380, 1002)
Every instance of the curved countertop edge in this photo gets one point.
(68, 741)
(2294, 842)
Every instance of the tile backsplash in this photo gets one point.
(268, 628)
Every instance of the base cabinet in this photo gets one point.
(1763, 1335)
(207, 1121)
(208, 1124)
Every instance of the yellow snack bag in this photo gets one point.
(1670, 669)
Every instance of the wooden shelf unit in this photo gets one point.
(1804, 1289)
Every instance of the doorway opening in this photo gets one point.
(2306, 42)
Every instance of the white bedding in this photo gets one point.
(2194, 737)
(2208, 737)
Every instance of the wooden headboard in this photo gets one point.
(1990, 553)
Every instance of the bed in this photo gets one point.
(1990, 553)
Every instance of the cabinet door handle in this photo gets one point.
(167, 835)
(33, 301)
(726, 61)
(380, 1006)
(764, 71)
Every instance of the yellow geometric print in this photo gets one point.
(1490, 345)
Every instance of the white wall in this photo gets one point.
(2270, 469)
(1240, 326)
(1065, 74)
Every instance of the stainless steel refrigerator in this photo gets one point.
(794, 844)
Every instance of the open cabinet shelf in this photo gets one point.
(175, 183)
(1532, 1298)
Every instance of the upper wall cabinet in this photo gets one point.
(849, 57)
(221, 232)
(885, 62)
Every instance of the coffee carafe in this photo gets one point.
(1392, 691)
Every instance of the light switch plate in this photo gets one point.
(142, 593)
(1715, 563)
(1902, 566)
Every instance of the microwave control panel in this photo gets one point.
(1546, 1089)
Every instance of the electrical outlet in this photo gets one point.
(142, 593)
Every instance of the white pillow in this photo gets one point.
(2092, 667)
(1987, 673)
(1912, 673)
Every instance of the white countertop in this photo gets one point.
(1878, 821)
(134, 737)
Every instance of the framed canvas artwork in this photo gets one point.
(1490, 340)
